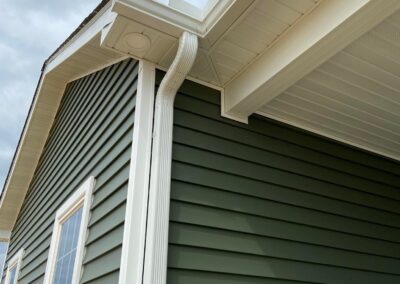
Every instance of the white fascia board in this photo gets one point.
(171, 21)
(329, 28)
(100, 21)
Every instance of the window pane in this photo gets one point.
(13, 273)
(65, 260)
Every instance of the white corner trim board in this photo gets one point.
(131, 269)
(81, 198)
(155, 266)
(15, 262)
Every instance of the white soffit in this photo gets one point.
(326, 30)
(246, 30)
(162, 26)
(253, 28)
(353, 97)
(255, 31)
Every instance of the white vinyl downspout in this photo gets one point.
(155, 263)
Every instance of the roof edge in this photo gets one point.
(104, 5)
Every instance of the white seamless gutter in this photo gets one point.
(155, 264)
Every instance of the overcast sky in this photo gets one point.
(30, 30)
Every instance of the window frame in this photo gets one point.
(81, 198)
(15, 261)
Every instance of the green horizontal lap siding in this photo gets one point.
(91, 135)
(268, 203)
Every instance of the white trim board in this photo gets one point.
(81, 198)
(133, 246)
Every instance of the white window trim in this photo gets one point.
(81, 197)
(15, 261)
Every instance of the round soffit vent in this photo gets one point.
(137, 41)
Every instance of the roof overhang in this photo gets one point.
(144, 29)
(82, 54)
(327, 30)
(93, 46)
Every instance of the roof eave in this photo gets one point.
(45, 102)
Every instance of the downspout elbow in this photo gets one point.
(179, 68)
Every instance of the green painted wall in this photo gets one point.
(268, 203)
(91, 135)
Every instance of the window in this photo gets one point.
(13, 268)
(69, 234)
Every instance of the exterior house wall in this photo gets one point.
(91, 135)
(268, 203)
(257, 203)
